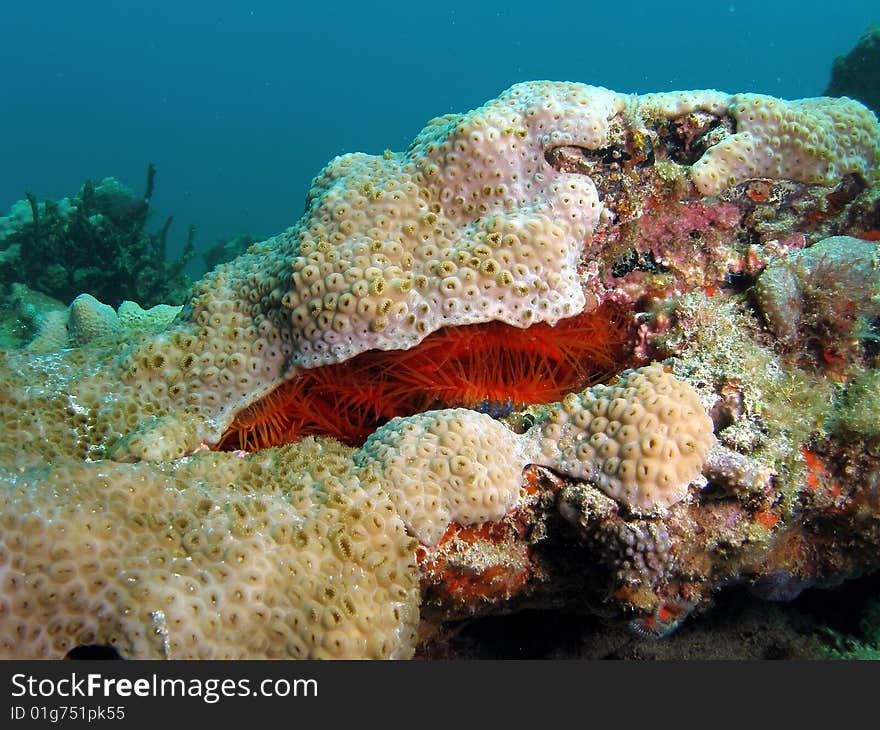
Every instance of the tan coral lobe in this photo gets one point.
(282, 554)
(642, 440)
(808, 140)
(446, 466)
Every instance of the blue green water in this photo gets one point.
(239, 104)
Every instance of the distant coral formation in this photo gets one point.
(95, 241)
(857, 73)
(227, 249)
(87, 320)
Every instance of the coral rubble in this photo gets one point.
(729, 240)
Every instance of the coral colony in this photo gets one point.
(573, 348)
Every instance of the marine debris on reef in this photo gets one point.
(679, 437)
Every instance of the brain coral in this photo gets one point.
(90, 319)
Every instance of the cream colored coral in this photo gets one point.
(445, 466)
(51, 333)
(472, 223)
(88, 319)
(134, 317)
(642, 441)
(278, 555)
(469, 225)
(809, 140)
(302, 551)
(674, 104)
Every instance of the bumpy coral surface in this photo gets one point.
(809, 140)
(300, 552)
(485, 217)
(642, 441)
(446, 466)
(212, 557)
(640, 496)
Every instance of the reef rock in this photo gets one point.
(857, 73)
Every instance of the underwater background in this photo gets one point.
(240, 104)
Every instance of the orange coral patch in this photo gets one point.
(450, 578)
(767, 519)
(815, 467)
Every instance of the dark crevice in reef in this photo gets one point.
(634, 260)
(687, 137)
(738, 626)
(583, 161)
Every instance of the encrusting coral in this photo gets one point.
(696, 460)
(642, 440)
(393, 248)
(210, 557)
(809, 140)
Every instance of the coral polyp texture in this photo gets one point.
(642, 440)
(487, 216)
(448, 466)
(809, 140)
(282, 554)
(588, 350)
